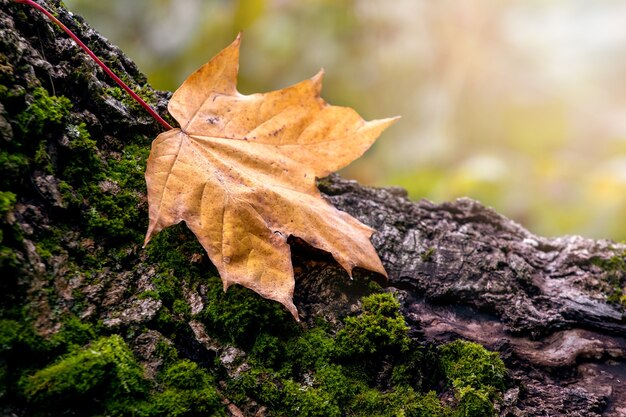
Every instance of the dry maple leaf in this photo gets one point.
(241, 173)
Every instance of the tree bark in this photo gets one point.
(466, 271)
(550, 306)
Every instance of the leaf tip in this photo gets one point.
(387, 121)
(147, 239)
(292, 309)
(377, 126)
(317, 80)
(237, 40)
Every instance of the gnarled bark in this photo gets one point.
(466, 271)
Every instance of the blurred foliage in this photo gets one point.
(520, 104)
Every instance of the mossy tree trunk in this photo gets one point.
(167, 341)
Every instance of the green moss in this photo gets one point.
(168, 287)
(186, 390)
(309, 372)
(239, 315)
(42, 158)
(379, 330)
(173, 249)
(338, 383)
(307, 401)
(297, 376)
(43, 112)
(107, 364)
(80, 139)
(178, 403)
(181, 307)
(9, 334)
(4, 92)
(115, 211)
(84, 163)
(10, 235)
(427, 256)
(75, 333)
(615, 263)
(312, 350)
(50, 244)
(168, 324)
(100, 378)
(428, 405)
(101, 195)
(269, 351)
(183, 374)
(257, 383)
(100, 221)
(22, 345)
(402, 402)
(476, 374)
(280, 361)
(473, 402)
(149, 294)
(12, 166)
(470, 364)
(145, 92)
(127, 171)
(21, 351)
(115, 92)
(8, 259)
(7, 201)
(415, 368)
(323, 184)
(615, 268)
(167, 352)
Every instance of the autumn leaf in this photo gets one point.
(241, 173)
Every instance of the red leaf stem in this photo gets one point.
(102, 65)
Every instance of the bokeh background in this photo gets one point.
(520, 104)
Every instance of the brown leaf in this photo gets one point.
(241, 173)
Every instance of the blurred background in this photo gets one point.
(520, 104)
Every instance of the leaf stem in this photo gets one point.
(102, 65)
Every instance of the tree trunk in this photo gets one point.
(74, 210)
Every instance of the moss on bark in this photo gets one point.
(92, 324)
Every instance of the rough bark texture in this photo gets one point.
(465, 270)
(71, 245)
